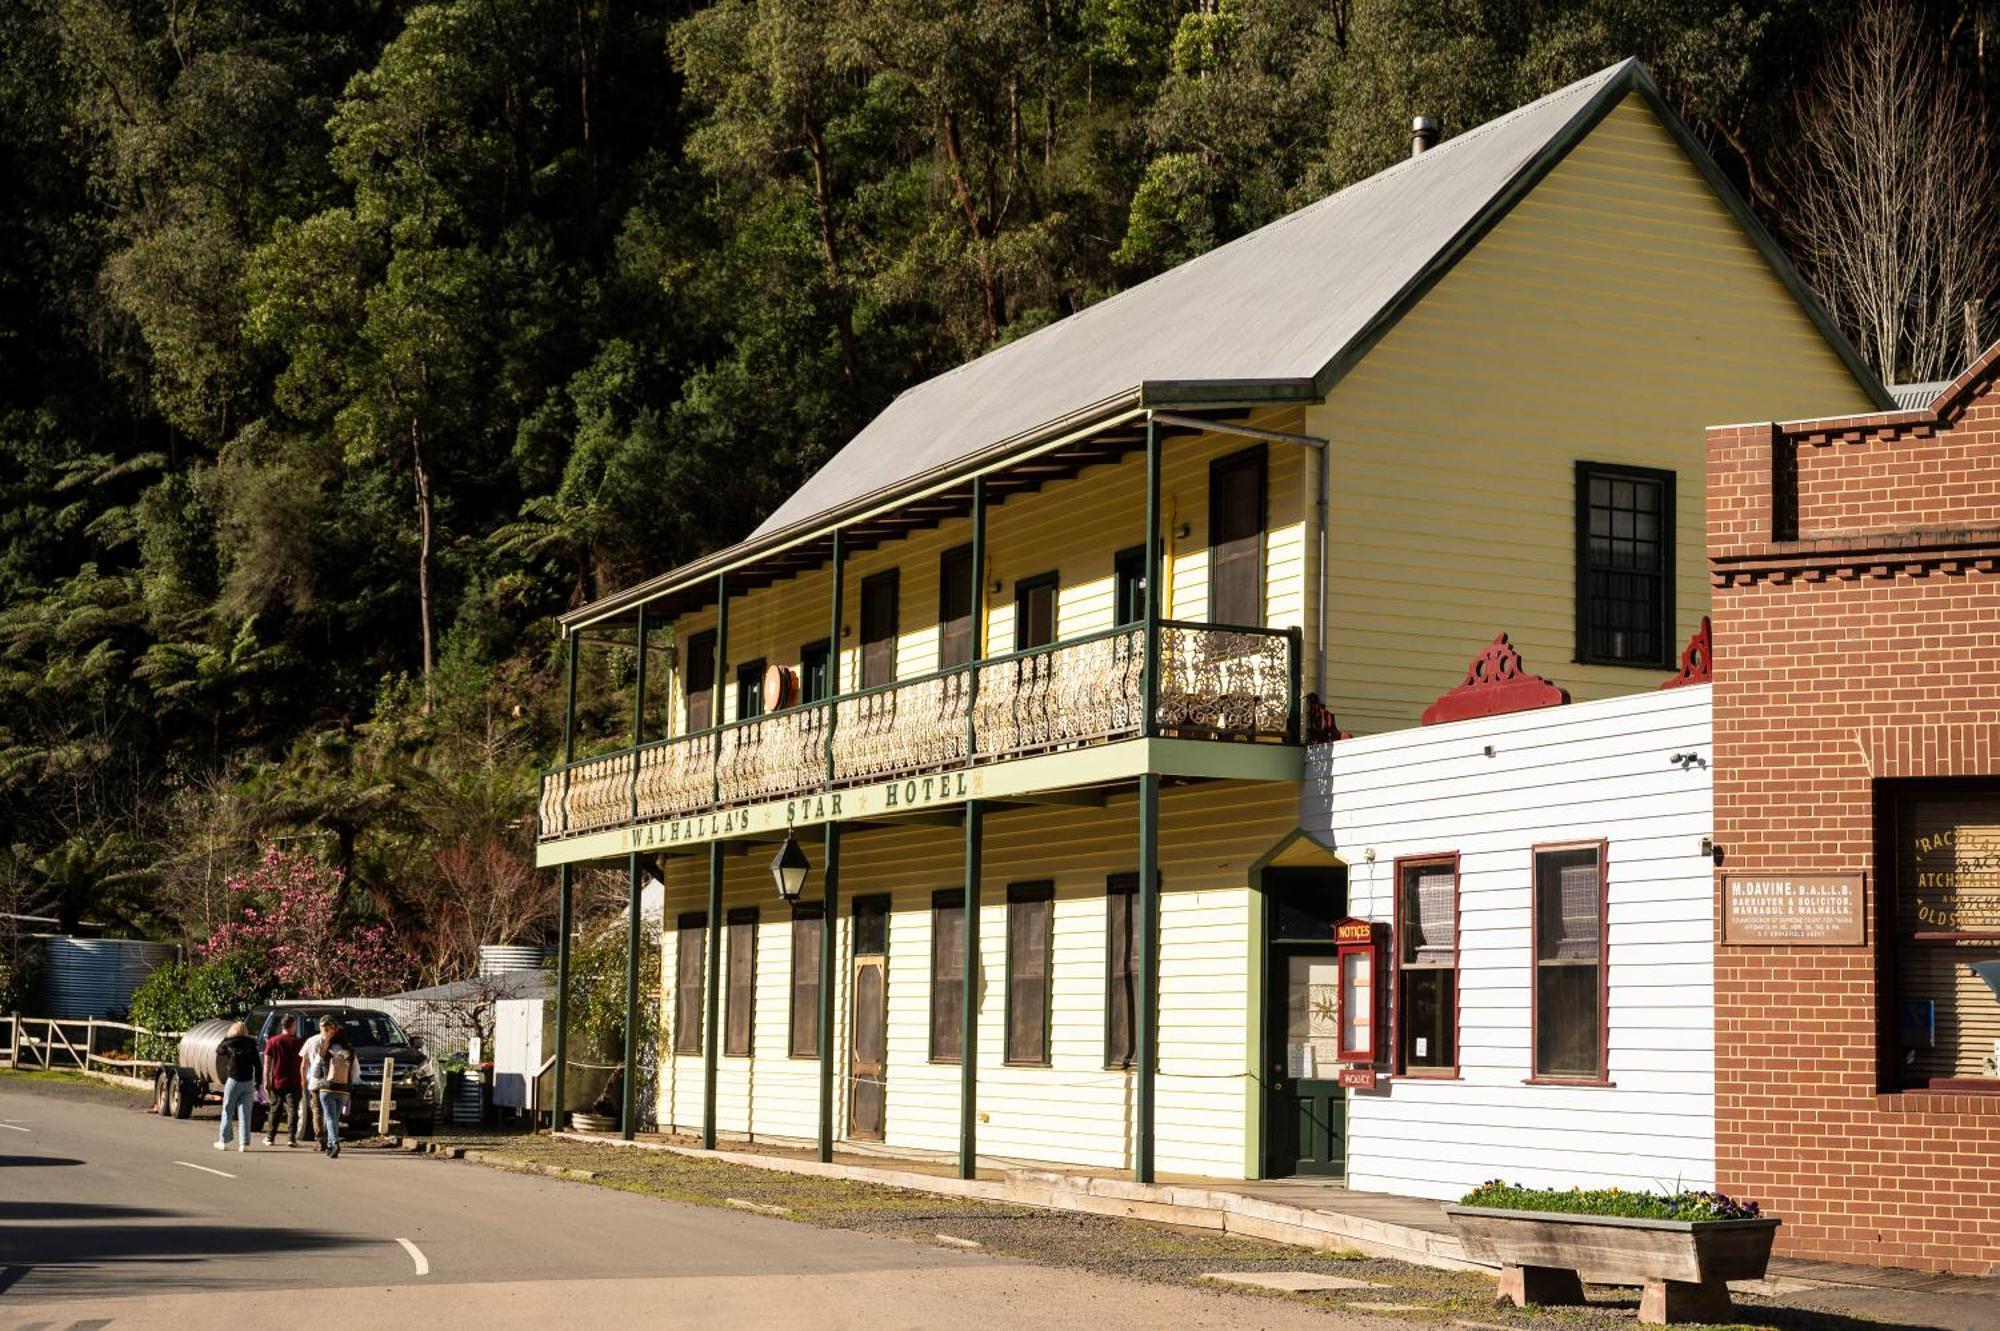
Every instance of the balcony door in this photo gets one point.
(955, 601)
(880, 594)
(699, 670)
(1236, 503)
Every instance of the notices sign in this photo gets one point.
(1779, 908)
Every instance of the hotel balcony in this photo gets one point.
(1215, 683)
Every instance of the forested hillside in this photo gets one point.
(343, 343)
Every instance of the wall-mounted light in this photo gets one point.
(1182, 531)
(994, 587)
(1489, 750)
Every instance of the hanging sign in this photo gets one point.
(1775, 909)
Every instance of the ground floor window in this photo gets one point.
(688, 943)
(948, 975)
(1569, 991)
(808, 930)
(1427, 965)
(740, 1009)
(1121, 969)
(1028, 921)
(1945, 954)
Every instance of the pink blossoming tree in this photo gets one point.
(290, 932)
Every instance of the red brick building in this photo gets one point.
(1856, 571)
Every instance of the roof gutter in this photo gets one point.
(1052, 434)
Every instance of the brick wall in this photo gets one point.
(1856, 569)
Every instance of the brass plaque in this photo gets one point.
(1775, 909)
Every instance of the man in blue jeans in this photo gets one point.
(237, 1060)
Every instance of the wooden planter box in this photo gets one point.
(1544, 1257)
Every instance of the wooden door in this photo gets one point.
(868, 1041)
(1305, 1113)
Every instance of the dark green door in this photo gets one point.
(1305, 1116)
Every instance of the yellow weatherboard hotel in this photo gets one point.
(1019, 680)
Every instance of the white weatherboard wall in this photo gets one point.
(1581, 772)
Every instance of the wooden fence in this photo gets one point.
(91, 1045)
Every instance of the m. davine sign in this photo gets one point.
(1774, 909)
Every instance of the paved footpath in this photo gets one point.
(113, 1217)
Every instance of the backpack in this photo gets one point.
(338, 1067)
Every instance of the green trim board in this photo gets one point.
(945, 788)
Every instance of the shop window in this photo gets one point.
(1121, 969)
(1569, 995)
(739, 1012)
(948, 975)
(689, 941)
(1028, 921)
(699, 672)
(808, 930)
(955, 600)
(1624, 565)
(1427, 965)
(1945, 844)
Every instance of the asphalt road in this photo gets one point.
(113, 1217)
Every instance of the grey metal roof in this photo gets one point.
(1279, 314)
(1280, 303)
(1915, 397)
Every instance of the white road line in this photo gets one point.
(417, 1256)
(13, 1127)
(203, 1168)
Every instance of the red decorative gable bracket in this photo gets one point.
(1495, 683)
(1698, 661)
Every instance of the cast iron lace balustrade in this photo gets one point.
(901, 728)
(1056, 697)
(1215, 682)
(772, 756)
(676, 777)
(1223, 683)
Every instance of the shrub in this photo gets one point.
(1685, 1204)
(178, 995)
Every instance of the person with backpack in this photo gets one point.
(331, 1078)
(309, 1119)
(283, 1083)
(237, 1060)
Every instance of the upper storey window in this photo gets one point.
(1624, 565)
(879, 596)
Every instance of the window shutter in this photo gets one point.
(808, 925)
(1028, 975)
(688, 963)
(742, 1003)
(1121, 971)
(947, 976)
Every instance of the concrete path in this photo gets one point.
(109, 1216)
